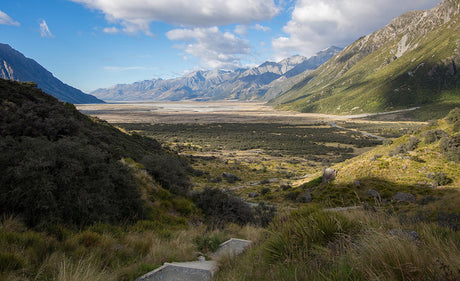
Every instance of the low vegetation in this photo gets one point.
(311, 244)
(80, 200)
(315, 142)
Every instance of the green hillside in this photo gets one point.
(60, 166)
(412, 62)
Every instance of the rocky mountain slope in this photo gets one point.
(15, 66)
(259, 83)
(410, 62)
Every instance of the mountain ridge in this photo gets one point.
(409, 62)
(244, 84)
(15, 66)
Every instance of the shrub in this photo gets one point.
(264, 214)
(285, 186)
(453, 116)
(222, 207)
(292, 195)
(408, 146)
(170, 172)
(209, 243)
(184, 206)
(432, 136)
(450, 146)
(264, 191)
(440, 179)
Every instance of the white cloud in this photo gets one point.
(136, 15)
(44, 30)
(318, 24)
(214, 48)
(111, 30)
(261, 27)
(7, 20)
(241, 30)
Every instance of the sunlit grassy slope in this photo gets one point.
(424, 163)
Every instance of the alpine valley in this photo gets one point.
(259, 83)
(144, 190)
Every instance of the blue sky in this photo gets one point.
(92, 44)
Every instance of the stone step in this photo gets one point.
(196, 270)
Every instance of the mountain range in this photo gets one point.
(411, 62)
(263, 82)
(15, 66)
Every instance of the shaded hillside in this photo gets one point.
(258, 83)
(15, 66)
(60, 166)
(413, 61)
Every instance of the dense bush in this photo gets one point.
(169, 171)
(432, 136)
(264, 214)
(408, 146)
(60, 166)
(276, 139)
(453, 116)
(222, 207)
(265, 190)
(450, 146)
(440, 179)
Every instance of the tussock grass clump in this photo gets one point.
(86, 269)
(305, 233)
(310, 244)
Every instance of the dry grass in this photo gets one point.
(379, 248)
(86, 269)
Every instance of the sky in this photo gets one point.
(91, 44)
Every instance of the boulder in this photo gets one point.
(404, 197)
(329, 175)
(253, 195)
(374, 193)
(230, 178)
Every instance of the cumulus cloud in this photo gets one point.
(318, 24)
(7, 20)
(136, 15)
(44, 30)
(214, 48)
